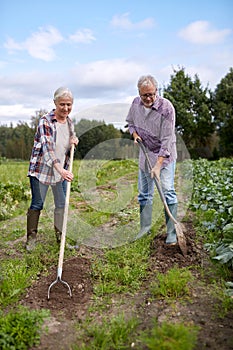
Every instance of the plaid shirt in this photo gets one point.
(156, 129)
(43, 152)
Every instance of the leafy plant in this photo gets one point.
(10, 195)
(20, 329)
(213, 202)
(229, 289)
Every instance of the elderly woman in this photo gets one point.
(151, 118)
(49, 163)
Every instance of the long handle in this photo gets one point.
(64, 226)
(144, 149)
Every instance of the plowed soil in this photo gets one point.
(215, 332)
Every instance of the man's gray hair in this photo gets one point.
(62, 92)
(146, 80)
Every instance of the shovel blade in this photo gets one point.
(181, 238)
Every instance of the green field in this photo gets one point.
(129, 287)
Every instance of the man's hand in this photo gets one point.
(155, 171)
(135, 137)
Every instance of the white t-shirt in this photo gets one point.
(147, 110)
(62, 145)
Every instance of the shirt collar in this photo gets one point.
(52, 116)
(156, 103)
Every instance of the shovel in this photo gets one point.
(178, 226)
(63, 236)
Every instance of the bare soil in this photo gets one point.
(202, 309)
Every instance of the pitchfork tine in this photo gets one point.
(58, 279)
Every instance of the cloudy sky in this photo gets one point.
(100, 48)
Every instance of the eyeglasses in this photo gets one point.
(144, 96)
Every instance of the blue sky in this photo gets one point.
(100, 48)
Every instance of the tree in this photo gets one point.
(5, 135)
(20, 143)
(223, 113)
(92, 133)
(35, 119)
(192, 103)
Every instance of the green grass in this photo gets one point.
(18, 273)
(118, 333)
(14, 280)
(168, 336)
(172, 285)
(14, 172)
(20, 328)
(117, 272)
(122, 269)
(112, 334)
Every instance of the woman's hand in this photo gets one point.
(74, 140)
(67, 175)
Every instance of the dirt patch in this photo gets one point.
(76, 272)
(165, 256)
(215, 332)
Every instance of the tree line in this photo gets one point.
(204, 120)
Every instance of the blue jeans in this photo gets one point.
(146, 185)
(39, 191)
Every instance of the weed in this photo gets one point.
(169, 336)
(122, 269)
(111, 334)
(20, 329)
(223, 302)
(15, 278)
(173, 284)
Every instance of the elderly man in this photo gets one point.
(151, 119)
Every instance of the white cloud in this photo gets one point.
(110, 74)
(123, 22)
(201, 32)
(207, 75)
(11, 45)
(39, 44)
(15, 113)
(112, 113)
(95, 83)
(3, 64)
(84, 36)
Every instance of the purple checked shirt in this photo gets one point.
(156, 129)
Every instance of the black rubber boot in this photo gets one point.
(145, 220)
(32, 225)
(171, 231)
